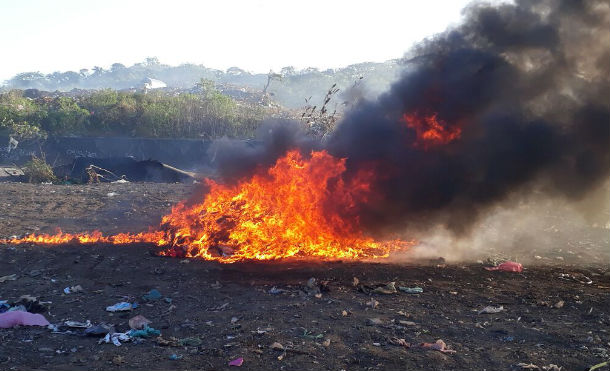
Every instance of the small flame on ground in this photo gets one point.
(430, 130)
(300, 207)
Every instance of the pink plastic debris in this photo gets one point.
(236, 362)
(507, 266)
(17, 318)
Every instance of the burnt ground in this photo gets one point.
(230, 309)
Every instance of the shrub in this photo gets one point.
(38, 170)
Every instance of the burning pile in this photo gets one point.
(300, 207)
(513, 100)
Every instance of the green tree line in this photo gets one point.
(208, 114)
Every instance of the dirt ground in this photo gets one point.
(550, 315)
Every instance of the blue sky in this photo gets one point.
(257, 35)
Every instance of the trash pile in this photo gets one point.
(23, 312)
(26, 311)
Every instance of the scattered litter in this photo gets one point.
(407, 323)
(144, 333)
(118, 360)
(559, 304)
(4, 306)
(276, 346)
(139, 322)
(315, 288)
(175, 357)
(69, 290)
(11, 277)
(19, 318)
(507, 266)
(172, 341)
(99, 330)
(528, 366)
(599, 365)
(491, 310)
(152, 295)
(382, 288)
(552, 367)
(326, 342)
(111, 194)
(311, 287)
(122, 307)
(388, 289)
(121, 181)
(115, 338)
(32, 304)
(275, 291)
(372, 303)
(438, 345)
(355, 282)
(75, 324)
(374, 321)
(219, 307)
(310, 335)
(237, 362)
(531, 366)
(190, 342)
(578, 277)
(411, 290)
(400, 342)
(260, 331)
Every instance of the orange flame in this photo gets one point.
(297, 208)
(430, 130)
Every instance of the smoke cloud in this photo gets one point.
(526, 83)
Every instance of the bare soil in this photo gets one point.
(231, 310)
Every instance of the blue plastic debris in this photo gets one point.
(152, 295)
(122, 307)
(144, 333)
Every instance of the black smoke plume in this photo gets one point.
(527, 84)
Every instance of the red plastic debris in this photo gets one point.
(507, 266)
(17, 317)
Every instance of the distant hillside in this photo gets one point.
(288, 87)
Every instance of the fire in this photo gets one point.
(300, 207)
(430, 130)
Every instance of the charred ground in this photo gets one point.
(206, 296)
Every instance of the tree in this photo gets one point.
(117, 67)
(27, 80)
(288, 71)
(152, 61)
(271, 76)
(206, 86)
(97, 71)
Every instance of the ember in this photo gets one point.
(300, 207)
